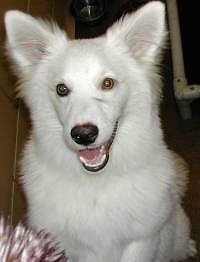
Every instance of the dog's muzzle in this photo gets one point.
(93, 159)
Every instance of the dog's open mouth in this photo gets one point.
(94, 159)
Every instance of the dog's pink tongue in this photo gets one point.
(90, 154)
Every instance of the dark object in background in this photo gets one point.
(129, 6)
(189, 26)
(88, 10)
(112, 11)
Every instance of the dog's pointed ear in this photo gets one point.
(28, 39)
(143, 32)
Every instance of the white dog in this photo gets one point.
(97, 173)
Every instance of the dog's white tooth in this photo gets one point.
(103, 158)
(102, 149)
(83, 160)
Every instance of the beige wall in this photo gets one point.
(13, 115)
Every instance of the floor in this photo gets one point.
(181, 136)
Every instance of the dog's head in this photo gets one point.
(81, 92)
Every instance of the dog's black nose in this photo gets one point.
(84, 134)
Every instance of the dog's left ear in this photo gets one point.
(143, 31)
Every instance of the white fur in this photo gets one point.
(130, 210)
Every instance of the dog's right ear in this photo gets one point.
(29, 39)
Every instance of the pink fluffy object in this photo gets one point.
(21, 244)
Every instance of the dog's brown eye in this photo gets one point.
(108, 83)
(62, 89)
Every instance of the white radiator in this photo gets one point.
(183, 92)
